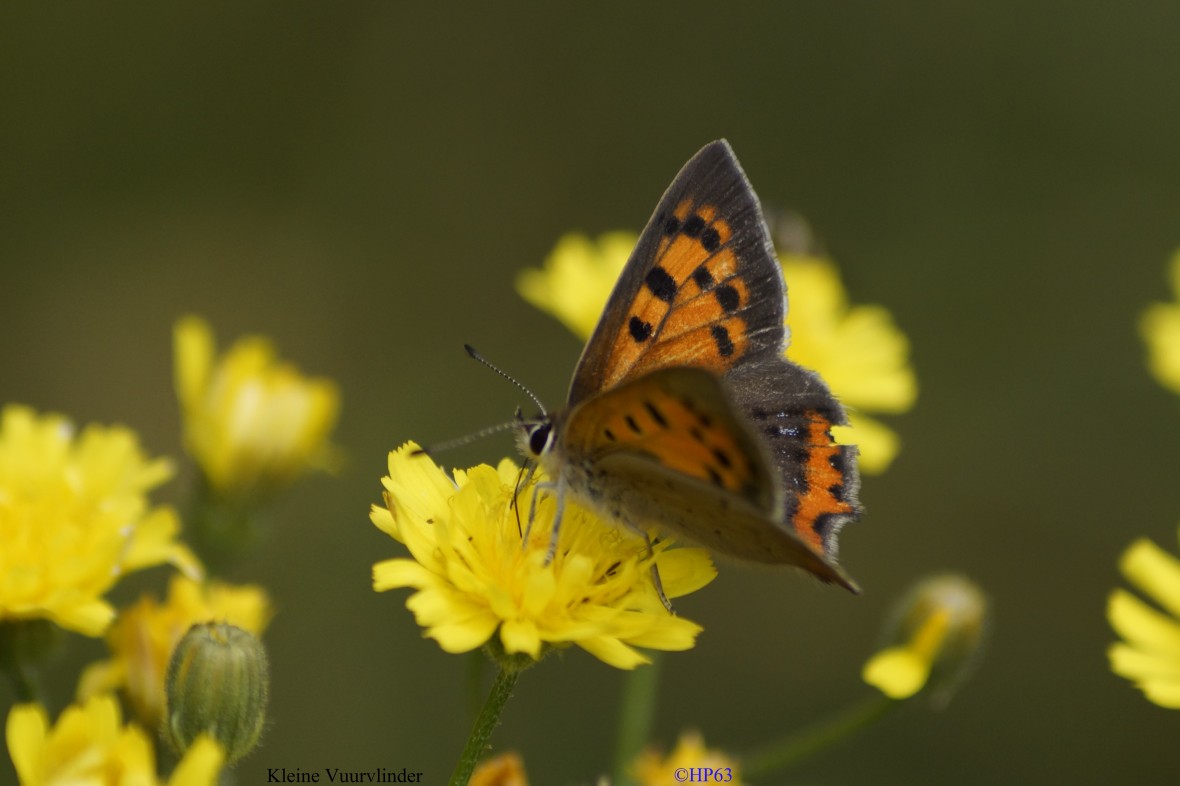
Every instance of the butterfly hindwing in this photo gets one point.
(702, 287)
(792, 412)
(681, 419)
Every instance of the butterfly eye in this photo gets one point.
(539, 438)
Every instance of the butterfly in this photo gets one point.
(683, 413)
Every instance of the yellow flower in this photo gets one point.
(252, 424)
(690, 762)
(858, 350)
(577, 278)
(75, 517)
(1149, 656)
(1160, 327)
(507, 769)
(934, 637)
(475, 578)
(143, 637)
(89, 746)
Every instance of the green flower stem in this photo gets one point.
(487, 721)
(225, 529)
(798, 746)
(24, 644)
(635, 716)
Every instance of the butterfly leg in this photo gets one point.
(553, 533)
(655, 574)
(523, 478)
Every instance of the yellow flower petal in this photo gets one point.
(252, 423)
(25, 734)
(89, 746)
(474, 577)
(877, 444)
(934, 635)
(201, 764)
(1154, 571)
(690, 756)
(1150, 656)
(1141, 625)
(897, 672)
(1160, 328)
(75, 517)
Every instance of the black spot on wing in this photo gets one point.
(640, 330)
(656, 415)
(693, 225)
(728, 298)
(662, 285)
(703, 278)
(724, 343)
(711, 240)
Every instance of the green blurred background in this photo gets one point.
(362, 181)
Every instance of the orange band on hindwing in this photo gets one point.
(824, 489)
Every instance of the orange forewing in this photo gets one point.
(701, 289)
(686, 316)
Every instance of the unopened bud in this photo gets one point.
(932, 639)
(217, 684)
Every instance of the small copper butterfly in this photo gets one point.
(683, 412)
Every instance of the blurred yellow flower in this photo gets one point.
(858, 350)
(690, 762)
(1160, 328)
(252, 423)
(143, 637)
(935, 635)
(474, 578)
(506, 769)
(576, 278)
(89, 746)
(75, 517)
(1149, 654)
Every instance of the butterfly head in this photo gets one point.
(534, 437)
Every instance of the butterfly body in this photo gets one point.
(683, 412)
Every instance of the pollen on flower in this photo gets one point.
(475, 581)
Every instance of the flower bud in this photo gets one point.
(932, 640)
(217, 684)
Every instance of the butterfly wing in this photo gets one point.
(671, 448)
(700, 307)
(702, 287)
(792, 412)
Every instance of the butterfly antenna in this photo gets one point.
(466, 439)
(471, 351)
